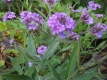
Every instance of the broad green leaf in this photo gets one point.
(1, 78)
(31, 49)
(51, 49)
(5, 72)
(16, 65)
(77, 1)
(66, 47)
(3, 26)
(74, 58)
(54, 72)
(1, 63)
(16, 77)
(100, 45)
(25, 53)
(88, 75)
(85, 76)
(30, 71)
(37, 77)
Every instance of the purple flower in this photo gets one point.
(86, 17)
(104, 26)
(70, 36)
(11, 42)
(100, 15)
(74, 36)
(98, 30)
(60, 22)
(25, 14)
(50, 3)
(8, 16)
(75, 11)
(31, 20)
(93, 6)
(30, 63)
(7, 1)
(42, 49)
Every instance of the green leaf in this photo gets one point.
(54, 72)
(42, 14)
(31, 49)
(16, 65)
(1, 63)
(71, 67)
(37, 77)
(77, 1)
(3, 26)
(51, 49)
(88, 75)
(1, 78)
(100, 45)
(16, 77)
(66, 1)
(29, 71)
(25, 53)
(5, 72)
(66, 47)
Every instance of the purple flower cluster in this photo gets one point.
(73, 36)
(98, 29)
(31, 20)
(75, 11)
(86, 17)
(93, 6)
(8, 16)
(50, 3)
(60, 22)
(7, 1)
(42, 49)
(99, 15)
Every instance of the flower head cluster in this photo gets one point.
(99, 15)
(72, 36)
(75, 11)
(60, 22)
(42, 49)
(98, 29)
(31, 20)
(50, 3)
(86, 17)
(93, 6)
(7, 1)
(8, 16)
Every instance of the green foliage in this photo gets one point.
(1, 63)
(17, 77)
(3, 26)
(64, 59)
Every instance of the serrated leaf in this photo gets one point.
(51, 49)
(31, 45)
(16, 65)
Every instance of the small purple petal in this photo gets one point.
(30, 63)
